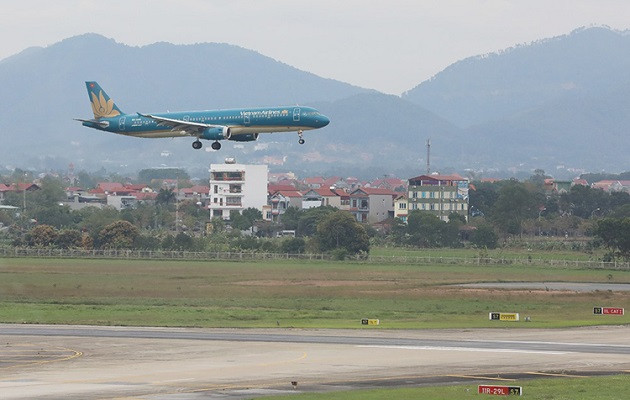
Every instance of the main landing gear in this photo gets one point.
(215, 146)
(301, 141)
(197, 144)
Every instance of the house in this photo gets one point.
(401, 209)
(197, 193)
(439, 195)
(612, 185)
(236, 187)
(17, 188)
(283, 199)
(372, 205)
(326, 196)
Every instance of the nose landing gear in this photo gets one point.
(301, 141)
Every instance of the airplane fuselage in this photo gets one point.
(238, 124)
(240, 121)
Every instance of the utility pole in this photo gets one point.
(428, 156)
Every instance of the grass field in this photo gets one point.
(499, 253)
(600, 388)
(292, 294)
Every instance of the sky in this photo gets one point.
(390, 46)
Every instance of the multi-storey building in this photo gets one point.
(235, 187)
(283, 199)
(401, 207)
(439, 194)
(372, 205)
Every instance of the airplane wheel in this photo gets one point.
(301, 141)
(216, 146)
(196, 145)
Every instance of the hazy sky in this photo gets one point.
(390, 45)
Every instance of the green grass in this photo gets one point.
(600, 388)
(496, 253)
(288, 293)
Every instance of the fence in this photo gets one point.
(7, 252)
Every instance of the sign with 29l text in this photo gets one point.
(500, 390)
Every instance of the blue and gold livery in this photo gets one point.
(240, 124)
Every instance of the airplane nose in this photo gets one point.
(323, 120)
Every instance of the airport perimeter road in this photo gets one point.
(77, 362)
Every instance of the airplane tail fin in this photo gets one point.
(102, 105)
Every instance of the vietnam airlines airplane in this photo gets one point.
(240, 124)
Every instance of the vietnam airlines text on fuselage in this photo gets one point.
(243, 124)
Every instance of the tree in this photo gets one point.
(293, 245)
(42, 235)
(615, 233)
(165, 197)
(308, 221)
(69, 238)
(245, 220)
(183, 242)
(424, 229)
(340, 230)
(118, 235)
(514, 204)
(291, 217)
(484, 237)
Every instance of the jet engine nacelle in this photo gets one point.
(217, 133)
(245, 137)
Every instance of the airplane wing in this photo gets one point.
(191, 128)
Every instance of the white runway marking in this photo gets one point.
(443, 348)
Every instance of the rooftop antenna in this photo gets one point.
(428, 156)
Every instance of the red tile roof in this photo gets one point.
(288, 193)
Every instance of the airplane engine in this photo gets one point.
(246, 137)
(218, 133)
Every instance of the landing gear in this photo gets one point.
(301, 141)
(215, 146)
(197, 145)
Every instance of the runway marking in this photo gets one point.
(552, 374)
(75, 354)
(473, 349)
(481, 377)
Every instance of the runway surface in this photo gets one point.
(76, 362)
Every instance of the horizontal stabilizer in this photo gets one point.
(102, 124)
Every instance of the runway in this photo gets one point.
(49, 362)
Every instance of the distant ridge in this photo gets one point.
(560, 104)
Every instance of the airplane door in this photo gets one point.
(121, 123)
(246, 120)
(296, 114)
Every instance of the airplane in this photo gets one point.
(239, 124)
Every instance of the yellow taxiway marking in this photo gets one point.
(550, 374)
(481, 377)
(75, 354)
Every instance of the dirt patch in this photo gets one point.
(317, 283)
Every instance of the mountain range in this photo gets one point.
(560, 104)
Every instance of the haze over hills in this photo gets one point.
(558, 101)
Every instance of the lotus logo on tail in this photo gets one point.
(101, 107)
